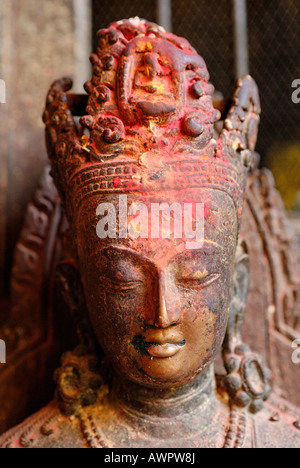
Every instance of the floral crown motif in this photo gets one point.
(150, 121)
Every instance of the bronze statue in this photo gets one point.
(159, 305)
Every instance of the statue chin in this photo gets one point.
(159, 278)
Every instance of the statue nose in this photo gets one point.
(151, 64)
(167, 312)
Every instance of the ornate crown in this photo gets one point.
(150, 122)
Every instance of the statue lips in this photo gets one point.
(163, 343)
(158, 343)
(165, 350)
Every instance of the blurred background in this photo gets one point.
(43, 40)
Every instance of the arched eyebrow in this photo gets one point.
(208, 248)
(128, 252)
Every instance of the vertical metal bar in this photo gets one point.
(241, 37)
(164, 14)
(82, 42)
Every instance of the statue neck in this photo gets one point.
(194, 415)
(195, 397)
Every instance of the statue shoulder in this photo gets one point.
(277, 426)
(48, 428)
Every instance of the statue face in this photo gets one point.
(151, 80)
(158, 309)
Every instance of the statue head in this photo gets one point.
(154, 201)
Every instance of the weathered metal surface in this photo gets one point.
(33, 328)
(158, 310)
(273, 303)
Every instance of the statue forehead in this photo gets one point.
(220, 224)
(213, 200)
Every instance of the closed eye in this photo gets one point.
(197, 283)
(119, 286)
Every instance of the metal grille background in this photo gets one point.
(107, 11)
(274, 48)
(274, 51)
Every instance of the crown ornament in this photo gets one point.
(148, 121)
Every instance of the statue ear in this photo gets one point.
(247, 380)
(240, 289)
(241, 276)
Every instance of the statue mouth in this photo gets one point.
(165, 350)
(157, 349)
